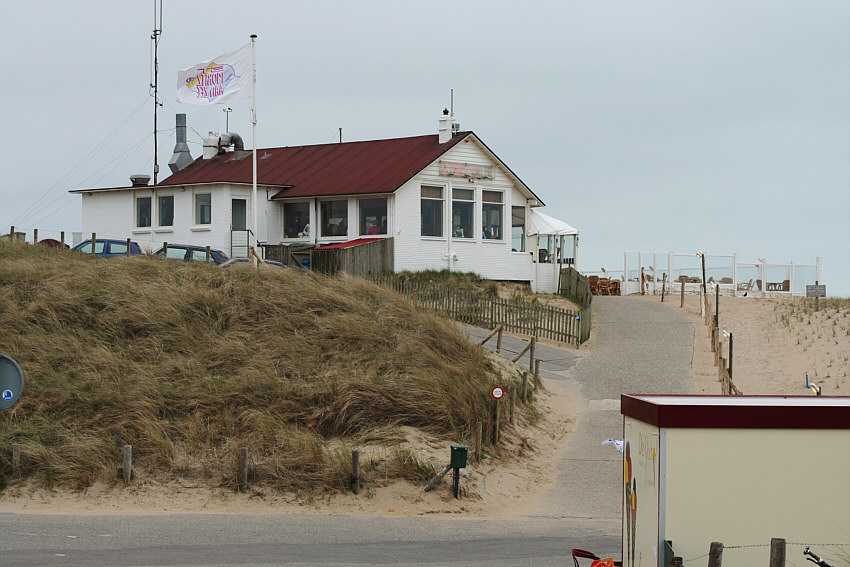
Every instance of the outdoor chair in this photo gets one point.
(746, 286)
(603, 286)
(593, 281)
(584, 554)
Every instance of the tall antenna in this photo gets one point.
(157, 31)
(452, 113)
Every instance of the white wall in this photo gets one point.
(489, 258)
(111, 214)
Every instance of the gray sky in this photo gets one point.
(650, 126)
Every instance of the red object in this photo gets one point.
(498, 392)
(51, 242)
(348, 244)
(584, 554)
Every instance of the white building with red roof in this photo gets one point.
(446, 200)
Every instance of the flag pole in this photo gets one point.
(254, 151)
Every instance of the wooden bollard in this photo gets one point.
(208, 255)
(243, 469)
(16, 456)
(62, 238)
(525, 387)
(128, 464)
(129, 243)
(479, 440)
(355, 471)
(165, 250)
(663, 285)
(682, 293)
(777, 552)
(715, 554)
(93, 242)
(35, 236)
(499, 341)
(530, 360)
(536, 374)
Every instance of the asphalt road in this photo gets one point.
(641, 347)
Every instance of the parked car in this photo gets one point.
(245, 262)
(191, 253)
(108, 248)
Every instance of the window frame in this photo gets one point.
(159, 208)
(467, 204)
(493, 204)
(321, 220)
(361, 220)
(197, 209)
(137, 211)
(305, 234)
(441, 208)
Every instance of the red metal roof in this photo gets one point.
(348, 244)
(350, 168)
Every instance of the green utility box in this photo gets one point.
(459, 456)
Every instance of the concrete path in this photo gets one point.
(641, 347)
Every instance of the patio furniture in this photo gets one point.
(584, 554)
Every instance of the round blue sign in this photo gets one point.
(11, 382)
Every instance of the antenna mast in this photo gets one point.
(157, 31)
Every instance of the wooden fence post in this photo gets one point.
(129, 243)
(513, 405)
(35, 236)
(62, 238)
(243, 469)
(355, 471)
(16, 457)
(525, 387)
(536, 374)
(663, 286)
(777, 552)
(208, 255)
(128, 464)
(715, 554)
(497, 425)
(93, 242)
(682, 292)
(479, 440)
(499, 341)
(531, 356)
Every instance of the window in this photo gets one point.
(117, 247)
(463, 205)
(165, 210)
(432, 211)
(143, 211)
(296, 220)
(373, 216)
(334, 218)
(491, 215)
(518, 229)
(203, 208)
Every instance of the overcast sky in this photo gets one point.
(650, 126)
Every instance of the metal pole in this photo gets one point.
(254, 131)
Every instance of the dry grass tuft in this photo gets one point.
(189, 362)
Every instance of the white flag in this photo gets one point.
(226, 78)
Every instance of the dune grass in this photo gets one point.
(190, 362)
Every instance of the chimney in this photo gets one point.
(445, 129)
(211, 145)
(231, 139)
(181, 156)
(140, 180)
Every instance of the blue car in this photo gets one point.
(108, 248)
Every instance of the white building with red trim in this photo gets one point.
(446, 200)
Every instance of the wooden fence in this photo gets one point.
(362, 260)
(576, 287)
(482, 310)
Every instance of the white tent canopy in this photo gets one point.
(544, 224)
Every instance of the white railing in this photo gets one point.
(759, 278)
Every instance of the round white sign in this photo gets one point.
(498, 392)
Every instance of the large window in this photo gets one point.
(491, 215)
(518, 229)
(143, 212)
(203, 208)
(165, 210)
(463, 206)
(296, 220)
(334, 217)
(373, 216)
(432, 211)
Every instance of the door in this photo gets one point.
(239, 212)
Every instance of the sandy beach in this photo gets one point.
(776, 342)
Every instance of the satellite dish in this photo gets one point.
(11, 382)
